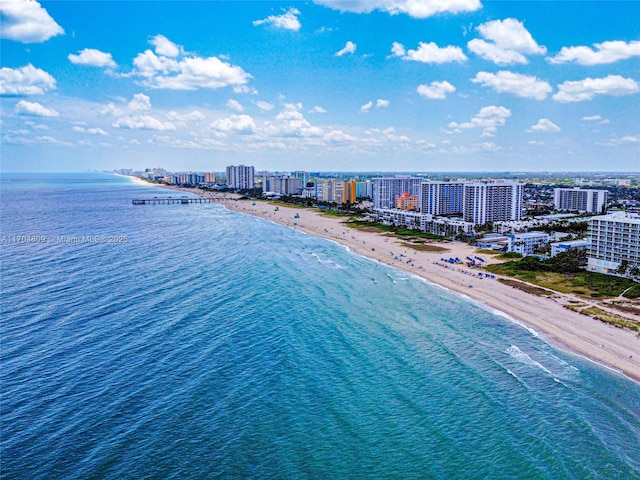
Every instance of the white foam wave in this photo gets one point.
(515, 321)
(522, 357)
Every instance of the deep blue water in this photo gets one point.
(196, 342)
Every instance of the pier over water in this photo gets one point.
(171, 201)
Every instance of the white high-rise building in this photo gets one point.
(240, 177)
(579, 200)
(387, 189)
(492, 201)
(282, 184)
(614, 238)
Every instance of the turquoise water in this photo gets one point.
(196, 342)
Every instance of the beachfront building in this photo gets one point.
(407, 202)
(493, 241)
(579, 200)
(325, 190)
(210, 177)
(281, 184)
(527, 243)
(561, 247)
(442, 198)
(364, 189)
(613, 238)
(185, 178)
(240, 177)
(492, 201)
(422, 221)
(387, 189)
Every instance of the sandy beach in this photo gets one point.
(580, 334)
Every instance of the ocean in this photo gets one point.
(190, 341)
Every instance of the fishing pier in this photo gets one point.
(171, 200)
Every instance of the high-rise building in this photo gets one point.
(492, 201)
(210, 177)
(282, 184)
(240, 177)
(579, 200)
(350, 188)
(387, 189)
(364, 189)
(442, 198)
(326, 189)
(613, 238)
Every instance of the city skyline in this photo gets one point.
(326, 85)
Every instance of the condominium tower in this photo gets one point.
(387, 189)
(442, 198)
(579, 200)
(492, 201)
(240, 177)
(614, 238)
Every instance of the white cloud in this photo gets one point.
(366, 107)
(349, 47)
(136, 115)
(488, 119)
(490, 147)
(240, 124)
(338, 136)
(164, 46)
(595, 118)
(544, 125)
(429, 53)
(140, 103)
(288, 20)
(27, 22)
(34, 108)
(381, 103)
(264, 106)
(536, 143)
(436, 90)
(144, 122)
(620, 141)
(505, 42)
(413, 8)
(27, 80)
(388, 134)
(526, 86)
(291, 123)
(398, 50)
(186, 72)
(110, 110)
(317, 109)
(588, 88)
(606, 52)
(92, 58)
(91, 131)
(235, 105)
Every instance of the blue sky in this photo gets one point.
(329, 85)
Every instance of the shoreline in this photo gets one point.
(578, 334)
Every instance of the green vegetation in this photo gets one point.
(525, 287)
(607, 317)
(509, 255)
(277, 203)
(422, 247)
(366, 225)
(565, 275)
(633, 291)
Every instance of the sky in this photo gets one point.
(321, 85)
